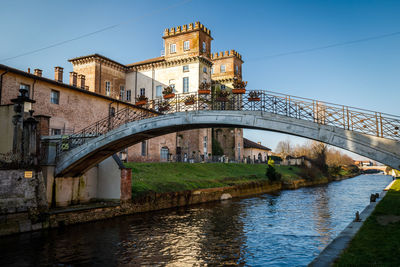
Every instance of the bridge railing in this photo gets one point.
(345, 117)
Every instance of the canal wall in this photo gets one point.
(150, 202)
(335, 248)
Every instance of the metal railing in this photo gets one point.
(345, 117)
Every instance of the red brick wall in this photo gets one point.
(76, 109)
(126, 184)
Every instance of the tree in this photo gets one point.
(284, 148)
(319, 151)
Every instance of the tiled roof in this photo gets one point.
(147, 61)
(250, 144)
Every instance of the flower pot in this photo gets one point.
(204, 92)
(141, 102)
(239, 91)
(163, 108)
(189, 103)
(167, 96)
(252, 99)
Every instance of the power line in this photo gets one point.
(308, 50)
(95, 32)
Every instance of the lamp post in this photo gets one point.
(23, 136)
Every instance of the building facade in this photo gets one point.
(187, 61)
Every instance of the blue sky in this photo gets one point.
(363, 75)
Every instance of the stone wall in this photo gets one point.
(20, 194)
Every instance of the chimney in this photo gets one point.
(81, 81)
(73, 78)
(259, 143)
(29, 70)
(37, 72)
(58, 74)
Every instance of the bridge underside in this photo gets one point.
(82, 158)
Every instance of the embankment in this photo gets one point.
(200, 183)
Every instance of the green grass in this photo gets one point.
(173, 177)
(376, 244)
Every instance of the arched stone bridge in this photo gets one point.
(371, 134)
(85, 156)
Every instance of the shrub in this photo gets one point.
(272, 174)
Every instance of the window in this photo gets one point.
(128, 95)
(204, 47)
(26, 88)
(205, 69)
(55, 131)
(186, 45)
(236, 69)
(172, 48)
(55, 97)
(222, 68)
(121, 92)
(212, 70)
(204, 80)
(108, 88)
(185, 84)
(158, 91)
(143, 91)
(144, 148)
(164, 153)
(223, 87)
(185, 68)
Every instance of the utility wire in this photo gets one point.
(326, 46)
(95, 32)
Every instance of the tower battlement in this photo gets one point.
(224, 54)
(186, 28)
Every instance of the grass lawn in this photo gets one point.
(172, 177)
(378, 241)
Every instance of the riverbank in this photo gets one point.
(378, 240)
(201, 183)
(176, 177)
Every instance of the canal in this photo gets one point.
(289, 228)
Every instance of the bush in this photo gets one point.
(272, 174)
(217, 148)
(310, 174)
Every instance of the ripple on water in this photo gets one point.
(285, 229)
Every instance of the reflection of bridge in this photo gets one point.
(371, 134)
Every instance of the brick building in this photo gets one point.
(61, 108)
(187, 61)
(98, 83)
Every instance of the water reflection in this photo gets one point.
(289, 228)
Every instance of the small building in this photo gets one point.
(296, 161)
(362, 163)
(255, 152)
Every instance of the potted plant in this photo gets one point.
(239, 86)
(254, 96)
(189, 100)
(163, 106)
(204, 88)
(141, 100)
(222, 96)
(168, 92)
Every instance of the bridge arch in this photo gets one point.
(82, 158)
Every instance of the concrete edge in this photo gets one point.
(331, 252)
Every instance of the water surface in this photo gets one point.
(286, 229)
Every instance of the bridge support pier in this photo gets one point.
(107, 181)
